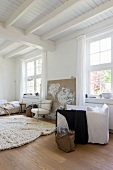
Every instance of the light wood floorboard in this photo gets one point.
(43, 154)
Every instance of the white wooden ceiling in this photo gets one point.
(34, 26)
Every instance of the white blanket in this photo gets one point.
(6, 108)
(9, 107)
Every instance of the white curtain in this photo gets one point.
(22, 79)
(44, 76)
(1, 83)
(81, 71)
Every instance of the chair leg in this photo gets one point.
(37, 117)
(32, 114)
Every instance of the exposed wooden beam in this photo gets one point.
(19, 12)
(99, 28)
(12, 33)
(52, 15)
(16, 51)
(83, 18)
(5, 45)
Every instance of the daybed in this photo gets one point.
(9, 107)
(91, 125)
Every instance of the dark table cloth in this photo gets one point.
(77, 121)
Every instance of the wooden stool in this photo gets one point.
(22, 104)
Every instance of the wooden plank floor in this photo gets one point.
(43, 154)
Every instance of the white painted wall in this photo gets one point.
(61, 64)
(7, 79)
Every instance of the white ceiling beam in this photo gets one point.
(100, 28)
(51, 15)
(18, 13)
(31, 54)
(16, 51)
(5, 45)
(14, 34)
(83, 18)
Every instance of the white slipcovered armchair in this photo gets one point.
(44, 108)
(97, 121)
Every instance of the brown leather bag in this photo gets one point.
(65, 140)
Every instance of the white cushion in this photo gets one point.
(89, 108)
(40, 111)
(46, 104)
(103, 109)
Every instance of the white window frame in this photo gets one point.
(99, 67)
(34, 76)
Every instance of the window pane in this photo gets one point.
(38, 66)
(38, 70)
(28, 72)
(105, 76)
(105, 44)
(39, 62)
(32, 64)
(95, 88)
(94, 47)
(30, 68)
(100, 81)
(100, 51)
(33, 69)
(28, 65)
(32, 72)
(95, 76)
(106, 87)
(94, 59)
(38, 85)
(105, 57)
(30, 86)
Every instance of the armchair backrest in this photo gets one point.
(46, 104)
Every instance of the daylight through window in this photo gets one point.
(100, 66)
(33, 76)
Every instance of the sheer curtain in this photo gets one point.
(22, 79)
(1, 84)
(44, 76)
(81, 71)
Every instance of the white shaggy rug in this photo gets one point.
(18, 130)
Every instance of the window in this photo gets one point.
(33, 75)
(100, 65)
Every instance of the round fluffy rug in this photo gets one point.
(18, 130)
